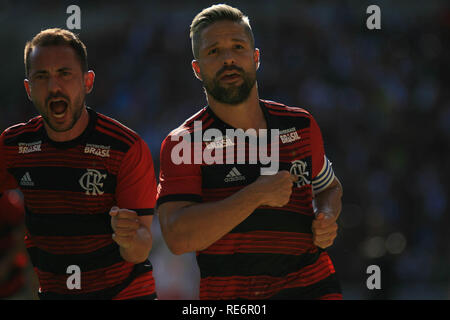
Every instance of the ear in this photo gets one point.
(89, 81)
(196, 68)
(256, 56)
(26, 84)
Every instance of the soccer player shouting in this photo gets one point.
(256, 236)
(76, 168)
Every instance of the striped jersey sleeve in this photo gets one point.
(178, 180)
(136, 183)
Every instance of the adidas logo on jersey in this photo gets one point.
(26, 180)
(234, 175)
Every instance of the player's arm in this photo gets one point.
(327, 191)
(131, 219)
(329, 201)
(327, 207)
(190, 226)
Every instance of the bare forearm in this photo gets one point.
(140, 249)
(197, 226)
(188, 226)
(329, 200)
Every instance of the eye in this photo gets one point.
(40, 76)
(65, 73)
(212, 51)
(239, 46)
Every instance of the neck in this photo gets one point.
(71, 134)
(245, 115)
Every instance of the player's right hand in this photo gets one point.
(274, 190)
(125, 224)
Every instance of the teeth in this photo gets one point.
(58, 115)
(61, 115)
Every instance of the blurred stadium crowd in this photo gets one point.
(380, 97)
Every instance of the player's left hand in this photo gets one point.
(324, 229)
(125, 224)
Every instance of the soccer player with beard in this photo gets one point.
(77, 170)
(256, 236)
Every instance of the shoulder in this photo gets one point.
(22, 131)
(182, 137)
(200, 120)
(116, 129)
(297, 117)
(280, 109)
(114, 134)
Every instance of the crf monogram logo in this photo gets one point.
(91, 181)
(299, 170)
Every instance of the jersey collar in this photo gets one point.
(81, 139)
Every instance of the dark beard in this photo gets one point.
(234, 94)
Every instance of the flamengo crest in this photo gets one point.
(91, 181)
(298, 169)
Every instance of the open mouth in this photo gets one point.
(58, 107)
(228, 76)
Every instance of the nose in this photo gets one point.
(53, 85)
(228, 57)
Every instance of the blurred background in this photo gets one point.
(381, 98)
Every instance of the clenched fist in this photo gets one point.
(324, 229)
(125, 224)
(274, 190)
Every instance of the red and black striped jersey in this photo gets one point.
(270, 254)
(69, 189)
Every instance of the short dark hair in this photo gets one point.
(217, 12)
(56, 37)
